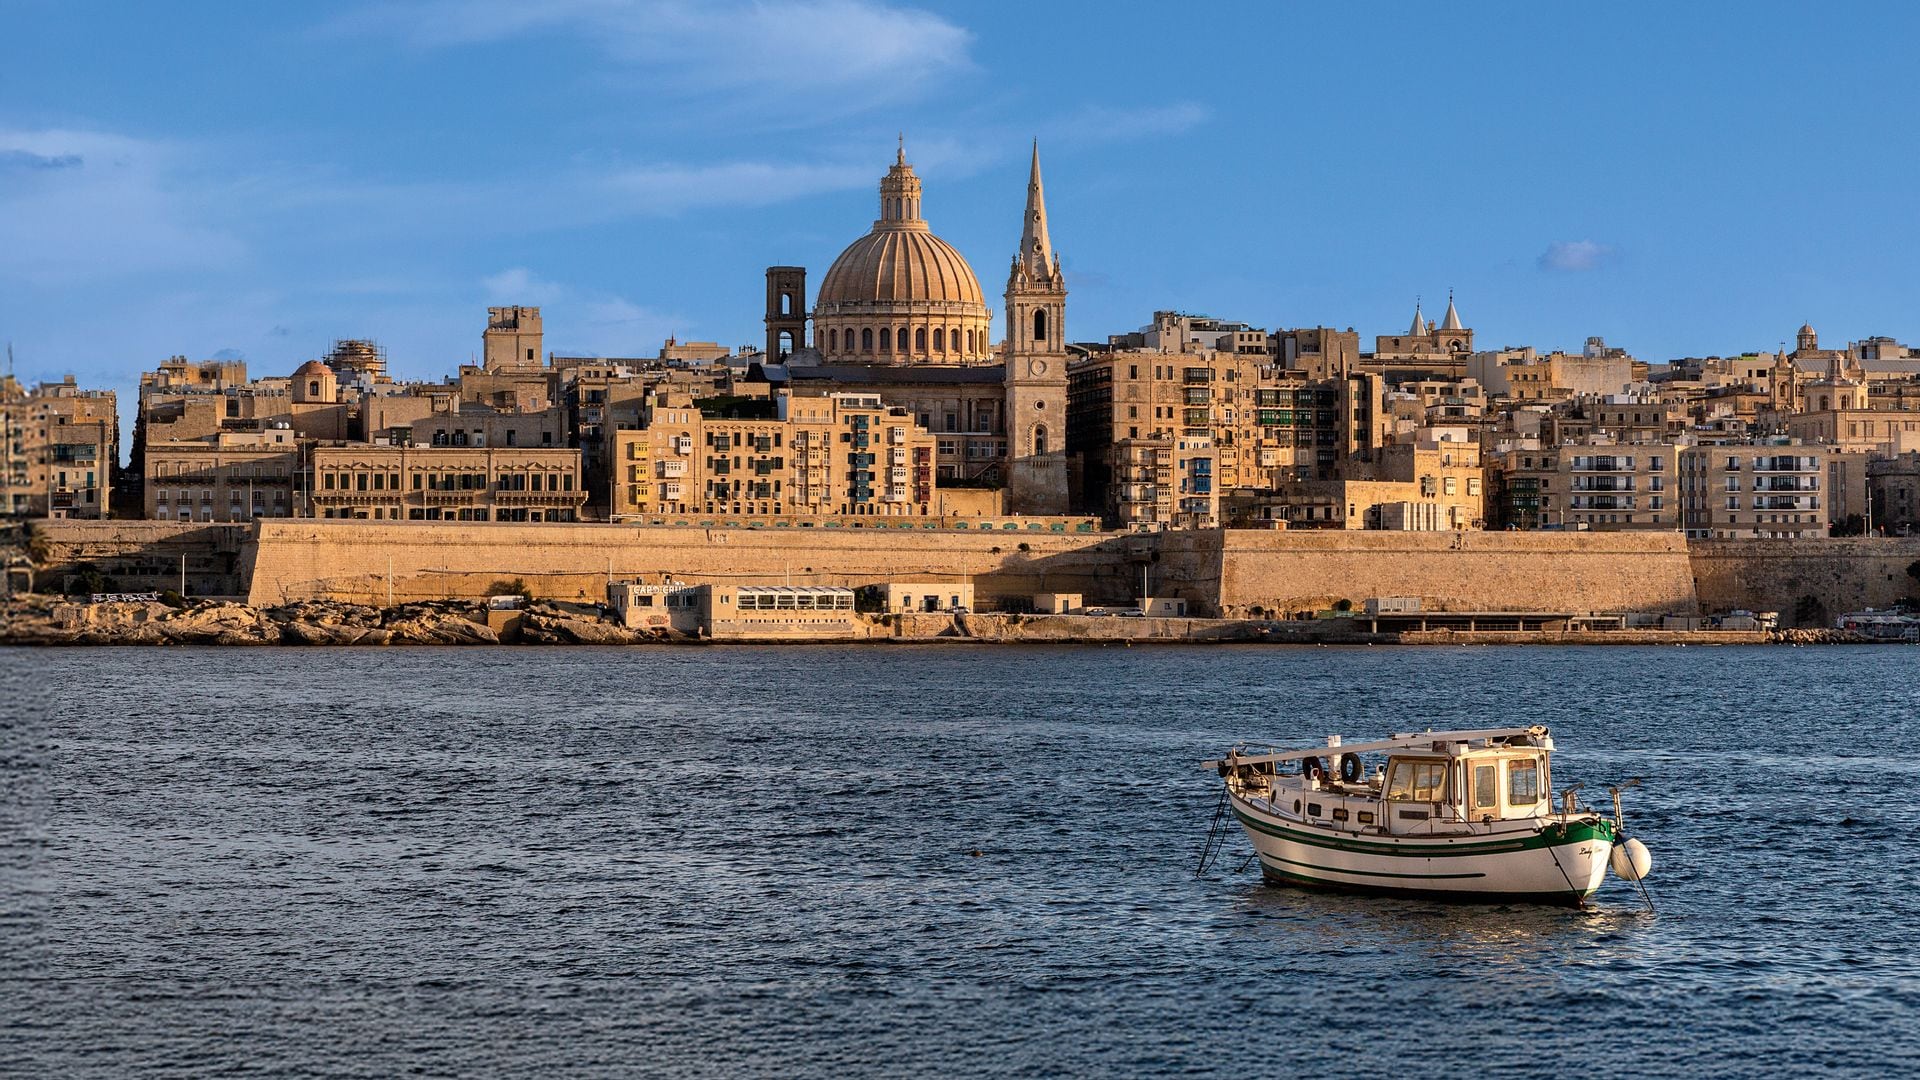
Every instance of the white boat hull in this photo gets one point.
(1543, 860)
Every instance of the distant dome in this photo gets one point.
(900, 294)
(893, 263)
(311, 367)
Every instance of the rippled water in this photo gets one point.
(888, 860)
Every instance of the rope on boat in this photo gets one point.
(1216, 836)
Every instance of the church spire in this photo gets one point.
(1452, 320)
(1419, 321)
(1036, 251)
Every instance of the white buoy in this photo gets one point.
(1631, 860)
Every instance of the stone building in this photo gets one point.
(59, 450)
(901, 314)
(1252, 424)
(835, 455)
(445, 483)
(1893, 486)
(1425, 351)
(512, 340)
(1771, 490)
(226, 476)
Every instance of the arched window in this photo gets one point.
(1039, 439)
(886, 340)
(1040, 324)
(786, 303)
(833, 341)
(920, 340)
(969, 341)
(866, 340)
(313, 388)
(902, 338)
(939, 339)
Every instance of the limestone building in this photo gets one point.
(444, 483)
(901, 314)
(59, 450)
(834, 455)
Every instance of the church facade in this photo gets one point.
(901, 314)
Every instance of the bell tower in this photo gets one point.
(786, 311)
(1036, 365)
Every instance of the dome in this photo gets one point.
(900, 294)
(311, 367)
(890, 264)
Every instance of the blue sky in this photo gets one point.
(260, 179)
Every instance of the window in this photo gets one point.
(866, 340)
(939, 339)
(1040, 324)
(1417, 781)
(901, 338)
(1523, 782)
(920, 339)
(1486, 786)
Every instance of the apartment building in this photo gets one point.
(1766, 491)
(59, 450)
(226, 476)
(828, 455)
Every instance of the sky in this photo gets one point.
(256, 180)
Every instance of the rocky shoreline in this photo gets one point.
(53, 621)
(45, 620)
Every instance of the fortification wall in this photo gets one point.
(379, 562)
(1485, 571)
(1809, 582)
(139, 556)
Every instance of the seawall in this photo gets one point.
(1254, 572)
(1231, 573)
(397, 562)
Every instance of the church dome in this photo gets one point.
(890, 264)
(900, 294)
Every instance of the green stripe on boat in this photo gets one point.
(1575, 833)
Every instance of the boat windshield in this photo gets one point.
(1416, 781)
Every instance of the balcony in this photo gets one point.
(1603, 483)
(1602, 502)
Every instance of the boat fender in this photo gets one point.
(1350, 768)
(1631, 860)
(1313, 768)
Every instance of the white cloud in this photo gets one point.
(1575, 256)
(856, 50)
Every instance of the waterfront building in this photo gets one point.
(445, 483)
(59, 449)
(1144, 422)
(1768, 490)
(226, 476)
(844, 454)
(1595, 483)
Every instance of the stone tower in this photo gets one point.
(1036, 373)
(786, 311)
(512, 341)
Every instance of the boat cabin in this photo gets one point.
(1425, 785)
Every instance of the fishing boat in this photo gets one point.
(1466, 815)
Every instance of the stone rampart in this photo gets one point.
(396, 562)
(138, 556)
(1809, 582)
(1282, 572)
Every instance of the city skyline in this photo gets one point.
(632, 167)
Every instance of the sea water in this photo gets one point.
(899, 860)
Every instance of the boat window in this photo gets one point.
(1416, 781)
(1523, 782)
(1313, 809)
(1486, 785)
